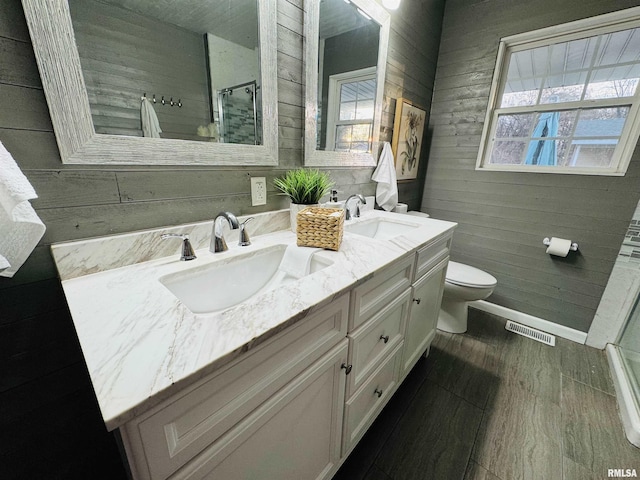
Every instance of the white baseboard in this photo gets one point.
(531, 321)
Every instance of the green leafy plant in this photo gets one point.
(304, 186)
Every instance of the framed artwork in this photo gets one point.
(408, 128)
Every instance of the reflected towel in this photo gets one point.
(4, 263)
(385, 175)
(20, 227)
(297, 260)
(149, 119)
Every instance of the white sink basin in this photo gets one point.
(221, 285)
(380, 228)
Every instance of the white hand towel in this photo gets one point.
(296, 260)
(149, 119)
(385, 175)
(4, 263)
(20, 227)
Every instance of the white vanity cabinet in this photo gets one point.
(426, 298)
(296, 405)
(281, 386)
(377, 325)
(275, 412)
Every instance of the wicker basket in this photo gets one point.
(320, 227)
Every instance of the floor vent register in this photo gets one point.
(531, 333)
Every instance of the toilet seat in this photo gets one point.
(468, 276)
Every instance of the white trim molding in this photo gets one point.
(531, 321)
(626, 404)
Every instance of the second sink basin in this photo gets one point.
(221, 285)
(380, 228)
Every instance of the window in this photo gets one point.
(350, 112)
(565, 99)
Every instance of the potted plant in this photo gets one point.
(304, 187)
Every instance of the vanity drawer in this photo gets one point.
(376, 339)
(431, 254)
(362, 408)
(177, 430)
(374, 294)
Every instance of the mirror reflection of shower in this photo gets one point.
(239, 115)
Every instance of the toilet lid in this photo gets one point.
(468, 276)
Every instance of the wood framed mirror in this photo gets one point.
(73, 114)
(346, 55)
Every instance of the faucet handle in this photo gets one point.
(243, 238)
(187, 249)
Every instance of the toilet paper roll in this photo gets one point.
(401, 208)
(559, 247)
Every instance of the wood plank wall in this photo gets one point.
(50, 426)
(503, 217)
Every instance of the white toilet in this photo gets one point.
(463, 284)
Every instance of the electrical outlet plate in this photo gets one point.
(258, 191)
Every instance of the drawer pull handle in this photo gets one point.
(417, 300)
(347, 368)
(378, 392)
(384, 338)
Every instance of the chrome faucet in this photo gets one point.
(217, 239)
(243, 236)
(187, 249)
(360, 199)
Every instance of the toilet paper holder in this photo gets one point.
(573, 248)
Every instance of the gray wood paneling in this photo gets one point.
(504, 216)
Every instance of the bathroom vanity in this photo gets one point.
(282, 384)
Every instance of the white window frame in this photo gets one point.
(602, 24)
(333, 101)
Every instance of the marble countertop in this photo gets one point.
(142, 345)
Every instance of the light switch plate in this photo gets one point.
(258, 191)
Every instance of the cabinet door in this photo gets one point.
(296, 434)
(423, 315)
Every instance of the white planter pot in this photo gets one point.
(293, 213)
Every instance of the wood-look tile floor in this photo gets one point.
(493, 405)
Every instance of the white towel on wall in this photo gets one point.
(4, 263)
(20, 227)
(149, 119)
(385, 175)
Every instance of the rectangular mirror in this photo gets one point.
(346, 61)
(189, 82)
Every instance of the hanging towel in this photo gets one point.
(4, 263)
(149, 119)
(20, 227)
(385, 175)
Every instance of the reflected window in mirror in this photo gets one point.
(350, 107)
(195, 64)
(344, 87)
